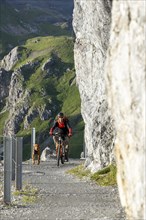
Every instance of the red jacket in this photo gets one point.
(64, 126)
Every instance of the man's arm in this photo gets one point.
(69, 129)
(52, 129)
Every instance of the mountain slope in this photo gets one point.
(42, 83)
(39, 72)
(20, 20)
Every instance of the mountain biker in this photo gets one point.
(63, 125)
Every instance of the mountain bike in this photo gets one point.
(60, 151)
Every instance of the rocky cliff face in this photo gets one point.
(92, 27)
(4, 85)
(125, 74)
(9, 61)
(17, 104)
(14, 97)
(123, 93)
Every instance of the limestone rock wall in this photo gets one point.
(125, 77)
(112, 85)
(91, 22)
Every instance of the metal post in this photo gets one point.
(32, 139)
(1, 149)
(13, 157)
(18, 167)
(7, 169)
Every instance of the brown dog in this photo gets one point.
(36, 153)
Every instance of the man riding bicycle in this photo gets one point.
(63, 125)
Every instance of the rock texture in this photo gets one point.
(125, 70)
(91, 24)
(17, 104)
(4, 84)
(47, 153)
(11, 59)
(125, 88)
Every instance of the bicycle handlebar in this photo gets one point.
(58, 134)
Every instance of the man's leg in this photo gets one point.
(66, 145)
(55, 139)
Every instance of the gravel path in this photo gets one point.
(63, 196)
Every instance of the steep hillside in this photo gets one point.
(42, 83)
(21, 20)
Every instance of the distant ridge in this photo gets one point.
(66, 6)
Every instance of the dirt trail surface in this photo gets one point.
(63, 196)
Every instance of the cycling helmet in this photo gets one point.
(60, 115)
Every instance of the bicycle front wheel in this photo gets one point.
(58, 155)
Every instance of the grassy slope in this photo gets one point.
(61, 89)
